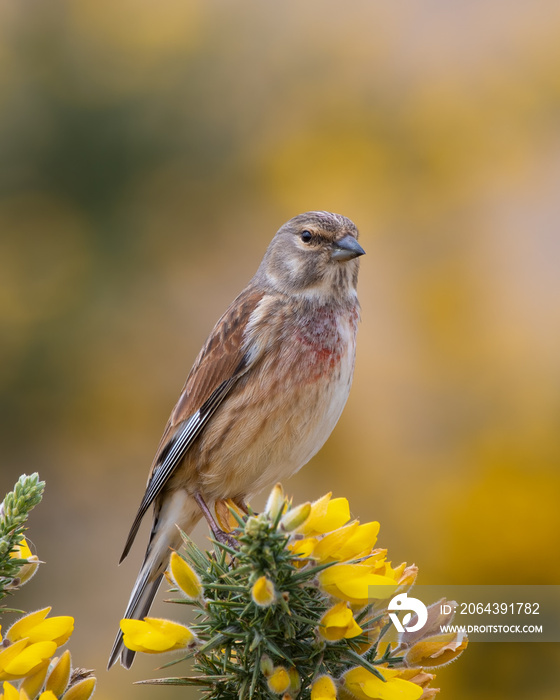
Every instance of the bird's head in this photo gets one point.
(314, 254)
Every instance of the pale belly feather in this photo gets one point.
(262, 436)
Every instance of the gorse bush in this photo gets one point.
(28, 667)
(297, 610)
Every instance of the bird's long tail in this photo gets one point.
(178, 511)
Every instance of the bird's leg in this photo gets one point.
(218, 533)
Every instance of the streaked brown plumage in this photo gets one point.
(263, 395)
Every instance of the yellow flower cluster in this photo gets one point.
(28, 668)
(26, 656)
(357, 583)
(359, 573)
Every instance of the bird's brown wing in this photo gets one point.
(220, 363)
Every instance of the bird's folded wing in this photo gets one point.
(221, 362)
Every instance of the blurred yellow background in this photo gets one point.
(149, 151)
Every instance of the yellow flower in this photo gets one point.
(349, 542)
(154, 636)
(22, 659)
(33, 682)
(262, 592)
(83, 690)
(326, 515)
(303, 548)
(21, 550)
(438, 650)
(343, 542)
(366, 686)
(360, 543)
(279, 680)
(11, 693)
(421, 679)
(357, 583)
(36, 628)
(429, 693)
(60, 675)
(327, 547)
(408, 575)
(27, 570)
(338, 623)
(185, 577)
(403, 575)
(323, 688)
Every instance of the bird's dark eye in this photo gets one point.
(306, 236)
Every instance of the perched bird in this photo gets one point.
(263, 396)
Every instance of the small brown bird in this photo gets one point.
(263, 396)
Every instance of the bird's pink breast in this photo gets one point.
(280, 415)
(320, 342)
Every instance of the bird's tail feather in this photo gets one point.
(144, 595)
(178, 511)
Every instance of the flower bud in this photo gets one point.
(365, 685)
(266, 666)
(295, 517)
(279, 681)
(253, 526)
(60, 675)
(263, 592)
(338, 623)
(185, 577)
(45, 695)
(29, 568)
(82, 690)
(295, 681)
(275, 503)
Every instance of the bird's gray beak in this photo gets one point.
(346, 249)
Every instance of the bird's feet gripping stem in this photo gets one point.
(217, 532)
